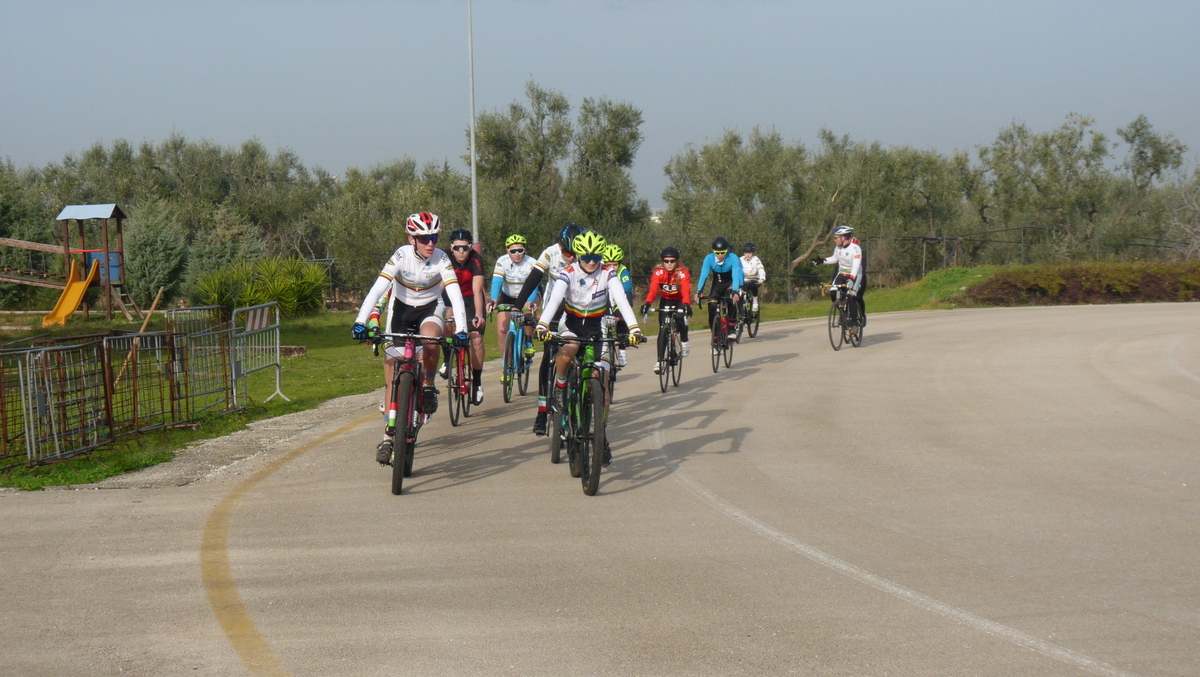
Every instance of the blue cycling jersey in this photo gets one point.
(722, 272)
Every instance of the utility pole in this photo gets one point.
(474, 186)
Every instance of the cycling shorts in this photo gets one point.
(469, 308)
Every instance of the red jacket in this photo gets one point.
(675, 286)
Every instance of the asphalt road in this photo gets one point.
(971, 492)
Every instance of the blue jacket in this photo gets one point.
(721, 272)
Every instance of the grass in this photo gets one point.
(336, 366)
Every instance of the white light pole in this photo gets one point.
(474, 187)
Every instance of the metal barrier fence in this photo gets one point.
(195, 319)
(256, 347)
(64, 397)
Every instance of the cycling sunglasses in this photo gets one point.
(461, 247)
(669, 261)
(516, 251)
(591, 258)
(721, 253)
(426, 239)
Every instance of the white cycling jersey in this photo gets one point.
(551, 263)
(588, 295)
(848, 258)
(513, 274)
(753, 269)
(416, 282)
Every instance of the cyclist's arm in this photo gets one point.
(685, 285)
(497, 280)
(382, 284)
(704, 270)
(762, 271)
(855, 262)
(616, 292)
(627, 282)
(553, 303)
(652, 292)
(529, 289)
(738, 278)
(450, 286)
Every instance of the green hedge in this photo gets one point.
(1090, 283)
(296, 285)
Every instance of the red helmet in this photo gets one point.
(424, 223)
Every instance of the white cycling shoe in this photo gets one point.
(622, 358)
(658, 367)
(685, 349)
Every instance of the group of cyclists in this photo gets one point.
(440, 293)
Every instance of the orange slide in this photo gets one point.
(72, 295)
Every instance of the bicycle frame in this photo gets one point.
(408, 361)
(578, 412)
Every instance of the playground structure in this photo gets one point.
(105, 265)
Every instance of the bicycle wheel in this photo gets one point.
(591, 435)
(664, 367)
(752, 322)
(526, 364)
(835, 326)
(466, 389)
(717, 336)
(856, 335)
(453, 402)
(554, 413)
(677, 360)
(404, 408)
(410, 450)
(509, 373)
(728, 353)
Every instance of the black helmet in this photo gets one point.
(568, 234)
(749, 247)
(669, 252)
(461, 234)
(720, 244)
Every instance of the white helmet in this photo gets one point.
(843, 230)
(424, 223)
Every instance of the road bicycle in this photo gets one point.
(724, 331)
(576, 412)
(518, 358)
(460, 387)
(407, 412)
(751, 316)
(672, 362)
(841, 329)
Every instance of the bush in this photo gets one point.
(297, 286)
(1090, 283)
(155, 252)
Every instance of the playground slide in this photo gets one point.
(72, 295)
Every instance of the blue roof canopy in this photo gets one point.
(90, 212)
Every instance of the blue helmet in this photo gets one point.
(568, 234)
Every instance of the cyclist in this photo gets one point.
(468, 267)
(587, 289)
(613, 255)
(511, 271)
(414, 275)
(848, 257)
(754, 272)
(673, 283)
(552, 261)
(727, 279)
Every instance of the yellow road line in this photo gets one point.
(222, 590)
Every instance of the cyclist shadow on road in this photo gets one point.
(636, 421)
(452, 471)
(872, 339)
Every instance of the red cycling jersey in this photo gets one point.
(675, 286)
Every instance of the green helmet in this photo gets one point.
(514, 239)
(613, 253)
(588, 242)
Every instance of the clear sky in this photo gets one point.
(359, 83)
